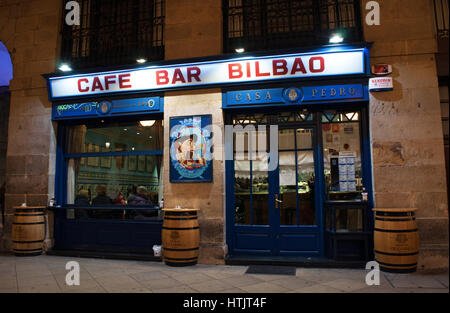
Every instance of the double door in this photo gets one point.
(275, 207)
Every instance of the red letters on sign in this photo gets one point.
(234, 70)
(279, 67)
(97, 84)
(298, 66)
(193, 72)
(81, 89)
(104, 83)
(321, 65)
(162, 77)
(124, 78)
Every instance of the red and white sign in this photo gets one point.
(381, 84)
(248, 69)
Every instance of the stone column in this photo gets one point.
(194, 29)
(29, 30)
(406, 127)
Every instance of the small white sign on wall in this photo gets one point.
(381, 84)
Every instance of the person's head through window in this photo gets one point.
(141, 197)
(101, 197)
(82, 197)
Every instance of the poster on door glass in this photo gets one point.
(347, 179)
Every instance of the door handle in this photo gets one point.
(277, 202)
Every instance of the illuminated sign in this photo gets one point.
(328, 62)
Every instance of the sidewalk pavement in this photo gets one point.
(48, 274)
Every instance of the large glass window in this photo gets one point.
(342, 155)
(114, 164)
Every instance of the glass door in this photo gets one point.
(295, 221)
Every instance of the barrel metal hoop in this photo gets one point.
(181, 259)
(29, 210)
(190, 249)
(32, 241)
(183, 228)
(36, 250)
(396, 231)
(34, 223)
(397, 265)
(171, 213)
(28, 214)
(378, 213)
(397, 254)
(180, 218)
(395, 220)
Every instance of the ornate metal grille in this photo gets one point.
(114, 32)
(278, 24)
(441, 9)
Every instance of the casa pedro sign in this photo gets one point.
(211, 73)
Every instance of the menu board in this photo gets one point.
(347, 179)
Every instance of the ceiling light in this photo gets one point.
(65, 67)
(107, 145)
(148, 123)
(336, 38)
(239, 50)
(141, 60)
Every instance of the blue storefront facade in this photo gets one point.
(299, 187)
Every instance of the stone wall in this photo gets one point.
(194, 29)
(406, 128)
(29, 29)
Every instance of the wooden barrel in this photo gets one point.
(180, 237)
(28, 231)
(396, 240)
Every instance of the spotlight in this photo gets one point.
(141, 60)
(65, 67)
(336, 38)
(239, 50)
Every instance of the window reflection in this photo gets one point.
(104, 180)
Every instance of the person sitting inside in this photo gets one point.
(101, 198)
(141, 197)
(82, 199)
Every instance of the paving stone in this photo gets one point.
(178, 289)
(414, 281)
(345, 284)
(265, 287)
(318, 288)
(212, 285)
(145, 276)
(49, 287)
(292, 283)
(239, 281)
(190, 278)
(163, 283)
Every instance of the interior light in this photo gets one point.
(132, 148)
(138, 133)
(65, 67)
(148, 123)
(239, 50)
(336, 38)
(141, 60)
(125, 129)
(107, 145)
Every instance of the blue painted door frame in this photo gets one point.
(273, 239)
(265, 244)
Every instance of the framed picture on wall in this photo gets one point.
(190, 149)
(132, 160)
(93, 161)
(141, 163)
(106, 160)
